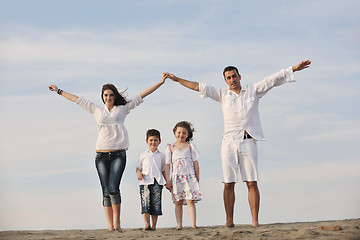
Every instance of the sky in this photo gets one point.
(309, 165)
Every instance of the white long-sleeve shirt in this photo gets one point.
(240, 111)
(112, 134)
(152, 164)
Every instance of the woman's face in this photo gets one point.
(109, 97)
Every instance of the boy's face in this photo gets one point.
(153, 143)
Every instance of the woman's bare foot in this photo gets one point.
(118, 228)
(255, 224)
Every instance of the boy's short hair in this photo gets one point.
(230, 68)
(153, 133)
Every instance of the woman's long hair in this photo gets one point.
(119, 99)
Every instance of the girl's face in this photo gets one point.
(181, 134)
(109, 97)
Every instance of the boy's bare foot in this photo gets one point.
(229, 225)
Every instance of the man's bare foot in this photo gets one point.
(229, 225)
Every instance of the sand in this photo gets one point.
(342, 229)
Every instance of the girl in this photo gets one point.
(183, 158)
(112, 142)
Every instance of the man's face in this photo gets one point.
(232, 79)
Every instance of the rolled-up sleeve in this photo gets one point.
(139, 163)
(209, 91)
(86, 104)
(135, 101)
(276, 79)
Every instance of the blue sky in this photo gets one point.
(309, 165)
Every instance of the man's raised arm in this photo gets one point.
(301, 66)
(186, 83)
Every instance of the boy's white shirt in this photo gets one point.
(151, 164)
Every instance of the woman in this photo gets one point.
(112, 142)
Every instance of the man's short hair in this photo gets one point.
(230, 68)
(152, 133)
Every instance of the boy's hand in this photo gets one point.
(140, 176)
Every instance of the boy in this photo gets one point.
(150, 171)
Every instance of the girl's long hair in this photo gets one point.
(188, 127)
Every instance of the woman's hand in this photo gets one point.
(171, 76)
(53, 88)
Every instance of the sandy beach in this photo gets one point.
(341, 229)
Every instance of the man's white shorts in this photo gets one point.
(243, 155)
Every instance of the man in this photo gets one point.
(242, 129)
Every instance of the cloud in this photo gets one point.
(325, 127)
(47, 142)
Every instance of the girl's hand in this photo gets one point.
(53, 88)
(168, 186)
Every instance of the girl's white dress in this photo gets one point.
(184, 183)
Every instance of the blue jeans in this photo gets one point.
(110, 167)
(150, 196)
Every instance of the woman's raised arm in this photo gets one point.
(69, 96)
(151, 89)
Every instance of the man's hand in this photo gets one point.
(171, 76)
(301, 66)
